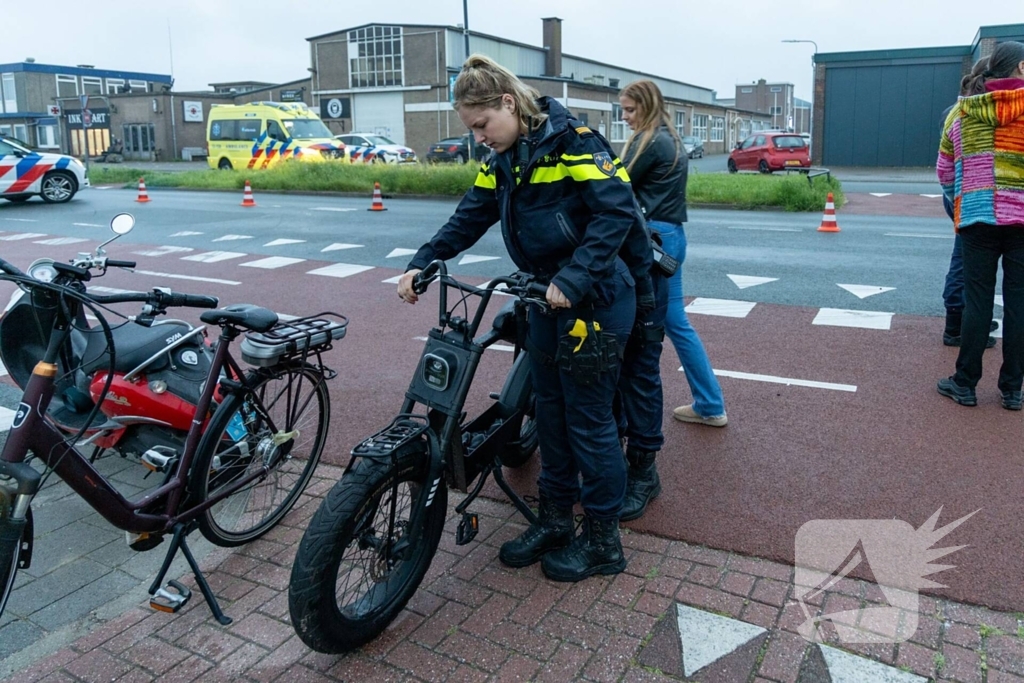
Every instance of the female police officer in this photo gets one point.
(566, 212)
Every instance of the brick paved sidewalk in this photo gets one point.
(475, 620)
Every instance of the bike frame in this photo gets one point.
(32, 432)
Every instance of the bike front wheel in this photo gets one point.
(346, 585)
(10, 549)
(240, 441)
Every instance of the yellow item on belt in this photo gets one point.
(579, 330)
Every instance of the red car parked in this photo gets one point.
(770, 151)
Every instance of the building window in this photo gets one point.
(375, 56)
(618, 125)
(681, 123)
(700, 126)
(776, 88)
(9, 101)
(138, 86)
(717, 129)
(115, 86)
(67, 86)
(46, 137)
(91, 85)
(746, 91)
(774, 110)
(21, 133)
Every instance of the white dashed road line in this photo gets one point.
(194, 278)
(213, 256)
(869, 320)
(920, 234)
(340, 270)
(726, 308)
(272, 262)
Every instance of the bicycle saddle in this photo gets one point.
(250, 317)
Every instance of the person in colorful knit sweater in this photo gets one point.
(981, 169)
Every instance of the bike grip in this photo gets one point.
(422, 278)
(10, 269)
(192, 300)
(537, 289)
(113, 263)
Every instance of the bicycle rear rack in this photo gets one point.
(403, 430)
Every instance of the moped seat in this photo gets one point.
(133, 345)
(505, 322)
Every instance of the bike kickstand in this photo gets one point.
(167, 601)
(516, 499)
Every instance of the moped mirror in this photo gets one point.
(122, 223)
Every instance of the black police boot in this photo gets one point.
(642, 483)
(597, 550)
(954, 319)
(552, 531)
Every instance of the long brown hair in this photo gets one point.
(651, 115)
(482, 82)
(1002, 64)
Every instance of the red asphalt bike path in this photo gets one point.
(893, 449)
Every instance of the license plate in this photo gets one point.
(439, 149)
(792, 162)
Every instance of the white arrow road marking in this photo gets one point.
(213, 256)
(185, 233)
(744, 281)
(880, 194)
(864, 291)
(233, 238)
(869, 320)
(272, 262)
(932, 196)
(846, 668)
(400, 252)
(340, 245)
(340, 270)
(726, 308)
(280, 242)
(470, 258)
(707, 637)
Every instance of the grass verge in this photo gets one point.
(792, 193)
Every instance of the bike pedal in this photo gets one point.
(468, 528)
(166, 601)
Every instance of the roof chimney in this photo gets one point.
(553, 45)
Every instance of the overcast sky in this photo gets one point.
(714, 44)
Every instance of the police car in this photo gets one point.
(24, 172)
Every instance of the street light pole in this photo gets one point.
(810, 121)
(465, 24)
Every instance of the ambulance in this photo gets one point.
(261, 134)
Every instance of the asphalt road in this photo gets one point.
(905, 256)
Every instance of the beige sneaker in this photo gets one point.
(688, 414)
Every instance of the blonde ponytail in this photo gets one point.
(482, 82)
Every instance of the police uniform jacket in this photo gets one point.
(565, 206)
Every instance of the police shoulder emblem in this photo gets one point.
(604, 163)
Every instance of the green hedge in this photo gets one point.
(748, 191)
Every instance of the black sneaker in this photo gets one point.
(955, 341)
(965, 396)
(1013, 400)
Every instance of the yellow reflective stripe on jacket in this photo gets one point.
(485, 179)
(580, 172)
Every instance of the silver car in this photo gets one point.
(694, 146)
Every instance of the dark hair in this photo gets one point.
(1002, 64)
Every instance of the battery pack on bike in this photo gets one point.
(296, 338)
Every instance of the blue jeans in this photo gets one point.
(707, 394)
(953, 292)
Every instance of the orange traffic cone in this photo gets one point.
(378, 203)
(828, 221)
(247, 199)
(143, 197)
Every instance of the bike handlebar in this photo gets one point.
(10, 269)
(160, 298)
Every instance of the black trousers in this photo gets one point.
(983, 246)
